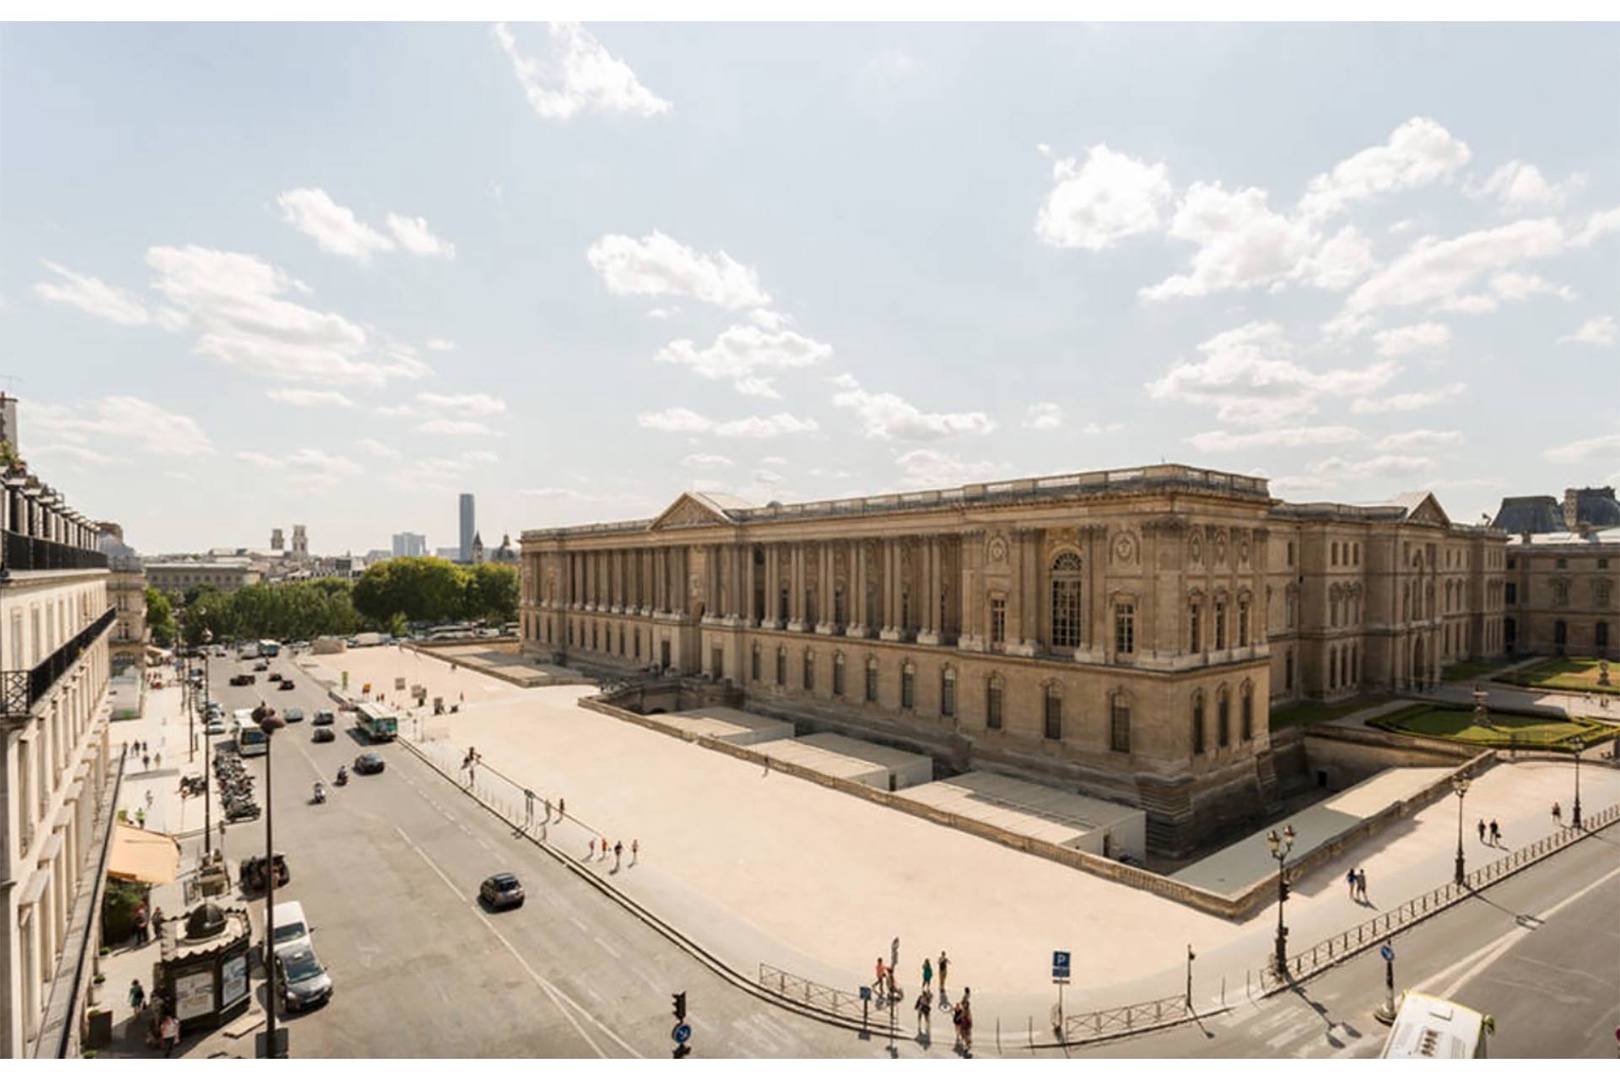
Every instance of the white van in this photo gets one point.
(291, 927)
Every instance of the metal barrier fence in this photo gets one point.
(1378, 929)
(825, 998)
(1125, 1019)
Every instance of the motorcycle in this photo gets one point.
(343, 775)
(320, 794)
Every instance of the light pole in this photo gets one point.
(1280, 847)
(208, 757)
(269, 723)
(1459, 784)
(1576, 745)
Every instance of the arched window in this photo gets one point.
(1247, 714)
(947, 692)
(1054, 711)
(872, 679)
(1220, 625)
(1198, 722)
(753, 665)
(809, 670)
(1243, 622)
(908, 686)
(838, 675)
(1066, 570)
(1223, 717)
(781, 665)
(1119, 722)
(992, 702)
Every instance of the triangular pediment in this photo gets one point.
(1426, 510)
(691, 509)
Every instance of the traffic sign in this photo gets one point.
(1387, 953)
(681, 1032)
(1060, 965)
(866, 993)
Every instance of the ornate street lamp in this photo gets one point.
(1459, 784)
(1280, 847)
(1577, 746)
(269, 723)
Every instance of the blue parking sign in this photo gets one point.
(1060, 965)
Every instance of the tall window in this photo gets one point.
(636, 642)
(1560, 594)
(998, 620)
(1198, 722)
(905, 607)
(838, 606)
(1223, 717)
(1066, 601)
(1124, 628)
(1600, 635)
(992, 702)
(838, 675)
(810, 606)
(1195, 631)
(570, 632)
(1119, 724)
(1290, 553)
(809, 670)
(621, 640)
(1335, 559)
(947, 693)
(908, 687)
(781, 665)
(1512, 593)
(871, 679)
(1560, 633)
(1054, 712)
(1288, 607)
(1601, 593)
(1288, 670)
(1220, 625)
(782, 603)
(1243, 624)
(1247, 706)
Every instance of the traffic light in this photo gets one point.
(680, 1005)
(1282, 890)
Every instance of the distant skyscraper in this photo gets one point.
(410, 544)
(276, 540)
(469, 526)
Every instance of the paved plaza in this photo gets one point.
(766, 867)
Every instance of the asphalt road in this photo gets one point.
(388, 872)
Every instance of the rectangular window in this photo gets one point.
(1124, 628)
(753, 667)
(1243, 624)
(809, 671)
(992, 706)
(637, 643)
(871, 682)
(838, 677)
(1288, 670)
(1119, 727)
(1288, 608)
(838, 607)
(1513, 592)
(1248, 717)
(947, 696)
(908, 689)
(1220, 626)
(1195, 631)
(1054, 715)
(1603, 564)
(1290, 553)
(781, 667)
(998, 621)
(1066, 614)
(1561, 564)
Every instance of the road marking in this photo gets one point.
(610, 950)
(1472, 965)
(551, 990)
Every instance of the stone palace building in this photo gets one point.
(1120, 632)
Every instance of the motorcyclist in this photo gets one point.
(343, 774)
(320, 791)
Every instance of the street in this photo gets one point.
(388, 871)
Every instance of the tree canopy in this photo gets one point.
(427, 589)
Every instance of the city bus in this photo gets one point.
(1429, 1027)
(268, 648)
(377, 721)
(250, 738)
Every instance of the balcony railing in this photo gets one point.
(21, 690)
(20, 552)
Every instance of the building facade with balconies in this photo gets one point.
(58, 772)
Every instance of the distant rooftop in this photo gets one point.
(1535, 514)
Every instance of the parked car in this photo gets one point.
(301, 978)
(323, 734)
(501, 891)
(324, 717)
(216, 726)
(294, 715)
(262, 665)
(369, 762)
(243, 679)
(286, 684)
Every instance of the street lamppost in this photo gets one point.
(1576, 745)
(1459, 784)
(208, 757)
(1280, 847)
(269, 723)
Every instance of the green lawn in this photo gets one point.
(1306, 713)
(1508, 729)
(1471, 669)
(1573, 673)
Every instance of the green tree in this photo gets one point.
(160, 617)
(423, 589)
(492, 593)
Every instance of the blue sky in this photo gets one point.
(252, 276)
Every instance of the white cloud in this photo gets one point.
(767, 319)
(311, 397)
(1044, 416)
(662, 312)
(1325, 474)
(1341, 261)
(465, 404)
(1598, 331)
(578, 75)
(93, 296)
(1222, 441)
(888, 416)
(657, 265)
(1419, 152)
(741, 351)
(704, 461)
(480, 457)
(559, 494)
(675, 419)
(1424, 337)
(1094, 428)
(1110, 197)
(79, 455)
(1419, 439)
(765, 427)
(415, 237)
(1420, 399)
(927, 468)
(1433, 270)
(1603, 448)
(123, 422)
(1472, 304)
(1518, 185)
(765, 477)
(320, 462)
(774, 461)
(441, 344)
(335, 228)
(304, 470)
(259, 460)
(1246, 376)
(234, 305)
(1599, 224)
(377, 449)
(1510, 285)
(441, 426)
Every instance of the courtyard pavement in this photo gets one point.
(766, 867)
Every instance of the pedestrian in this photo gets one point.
(149, 798)
(1350, 880)
(635, 851)
(142, 934)
(169, 1029)
(157, 759)
(1482, 830)
(1496, 833)
(604, 847)
(137, 996)
(942, 967)
(928, 973)
(146, 762)
(767, 771)
(922, 1010)
(592, 854)
(158, 919)
(967, 1023)
(140, 816)
(877, 984)
(548, 811)
(1558, 814)
(618, 853)
(1361, 883)
(562, 809)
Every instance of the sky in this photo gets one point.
(254, 276)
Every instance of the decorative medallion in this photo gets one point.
(1243, 547)
(1124, 548)
(1220, 545)
(998, 549)
(1195, 547)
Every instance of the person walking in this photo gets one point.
(1361, 883)
(1496, 833)
(1558, 814)
(922, 1011)
(942, 967)
(635, 851)
(169, 1029)
(1482, 830)
(146, 762)
(158, 919)
(927, 974)
(592, 854)
(618, 853)
(562, 809)
(1350, 880)
(967, 1022)
(140, 816)
(137, 996)
(149, 798)
(548, 811)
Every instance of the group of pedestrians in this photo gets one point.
(166, 1032)
(1356, 879)
(1495, 831)
(961, 1012)
(599, 850)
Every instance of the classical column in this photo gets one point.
(928, 602)
(855, 600)
(749, 575)
(893, 630)
(826, 587)
(796, 588)
(773, 579)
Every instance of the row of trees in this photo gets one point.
(387, 597)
